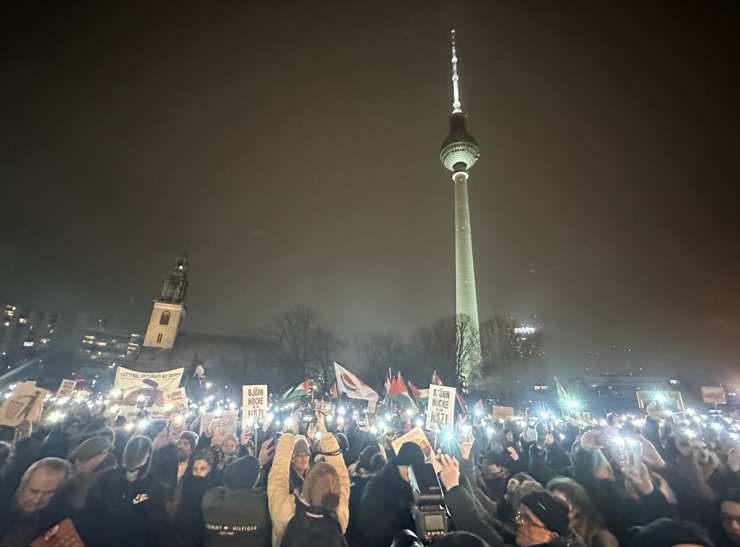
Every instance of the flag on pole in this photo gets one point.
(351, 385)
(333, 393)
(562, 394)
(435, 379)
(399, 395)
(301, 390)
(421, 395)
(387, 382)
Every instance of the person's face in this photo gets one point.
(201, 468)
(72, 428)
(729, 512)
(562, 497)
(491, 470)
(229, 447)
(699, 448)
(530, 530)
(300, 462)
(509, 437)
(89, 465)
(38, 491)
(184, 450)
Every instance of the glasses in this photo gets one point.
(523, 519)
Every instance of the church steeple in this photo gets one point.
(176, 282)
(169, 309)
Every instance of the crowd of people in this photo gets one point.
(636, 483)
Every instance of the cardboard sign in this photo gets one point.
(176, 401)
(66, 388)
(254, 404)
(220, 426)
(145, 391)
(503, 412)
(61, 535)
(441, 408)
(25, 404)
(713, 395)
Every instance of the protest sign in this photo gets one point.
(145, 391)
(417, 436)
(503, 412)
(220, 424)
(254, 404)
(441, 408)
(63, 534)
(66, 388)
(713, 395)
(25, 404)
(176, 400)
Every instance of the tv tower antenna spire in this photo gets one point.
(456, 106)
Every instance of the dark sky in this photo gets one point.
(293, 148)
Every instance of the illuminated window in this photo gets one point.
(28, 343)
(159, 338)
(164, 319)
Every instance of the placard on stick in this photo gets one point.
(254, 403)
(441, 407)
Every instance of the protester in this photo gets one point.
(35, 507)
(583, 518)
(236, 514)
(91, 459)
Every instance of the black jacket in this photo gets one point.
(312, 526)
(385, 508)
(236, 518)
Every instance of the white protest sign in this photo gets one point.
(176, 400)
(145, 391)
(441, 407)
(220, 423)
(503, 412)
(25, 404)
(66, 388)
(254, 403)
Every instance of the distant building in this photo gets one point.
(24, 334)
(528, 343)
(620, 392)
(102, 347)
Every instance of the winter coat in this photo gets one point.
(312, 526)
(236, 518)
(122, 512)
(281, 502)
(385, 508)
(78, 486)
(594, 535)
(18, 529)
(188, 528)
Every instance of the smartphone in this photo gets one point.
(633, 454)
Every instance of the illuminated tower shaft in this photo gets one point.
(459, 153)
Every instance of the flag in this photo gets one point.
(421, 395)
(562, 394)
(387, 382)
(399, 395)
(435, 379)
(333, 394)
(351, 385)
(301, 390)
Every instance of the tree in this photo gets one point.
(306, 345)
(382, 351)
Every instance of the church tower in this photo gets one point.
(168, 309)
(459, 153)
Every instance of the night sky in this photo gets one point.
(292, 148)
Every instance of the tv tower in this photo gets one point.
(459, 153)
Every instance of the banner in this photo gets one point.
(66, 388)
(441, 408)
(713, 395)
(220, 423)
(25, 404)
(503, 412)
(145, 391)
(254, 403)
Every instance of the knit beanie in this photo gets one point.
(410, 453)
(321, 487)
(666, 532)
(301, 446)
(551, 511)
(191, 437)
(241, 474)
(460, 539)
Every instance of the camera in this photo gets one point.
(429, 510)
